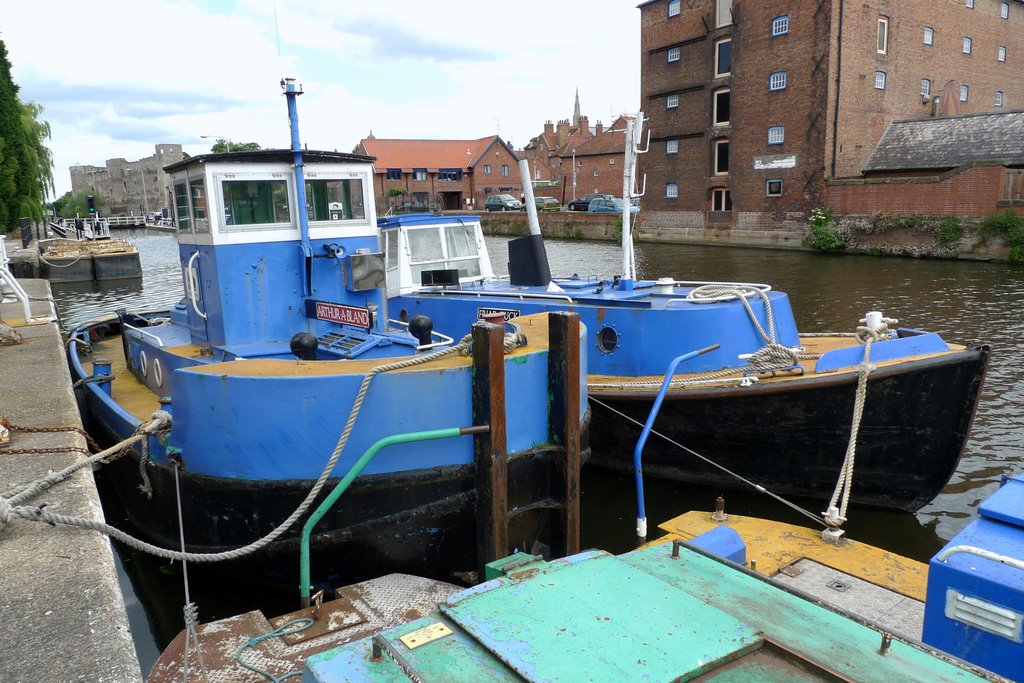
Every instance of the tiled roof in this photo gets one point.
(611, 141)
(428, 154)
(950, 142)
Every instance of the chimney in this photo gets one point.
(549, 128)
(598, 129)
(585, 127)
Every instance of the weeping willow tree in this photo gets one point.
(26, 164)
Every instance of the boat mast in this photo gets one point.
(291, 92)
(634, 128)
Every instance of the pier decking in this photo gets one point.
(63, 612)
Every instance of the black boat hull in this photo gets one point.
(791, 436)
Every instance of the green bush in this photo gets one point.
(823, 231)
(949, 231)
(1008, 226)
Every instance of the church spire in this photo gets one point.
(576, 109)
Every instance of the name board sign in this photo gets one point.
(772, 161)
(509, 313)
(338, 313)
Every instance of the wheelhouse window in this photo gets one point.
(780, 25)
(777, 81)
(674, 7)
(929, 35)
(720, 107)
(254, 202)
(335, 200)
(671, 190)
(673, 54)
(394, 174)
(776, 135)
(197, 190)
(883, 35)
(773, 187)
(721, 154)
(723, 57)
(879, 80)
(672, 146)
(453, 246)
(181, 207)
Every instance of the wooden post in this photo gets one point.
(564, 412)
(490, 450)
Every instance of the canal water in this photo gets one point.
(966, 302)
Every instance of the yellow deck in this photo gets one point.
(774, 545)
(812, 345)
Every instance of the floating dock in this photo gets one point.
(74, 261)
(64, 615)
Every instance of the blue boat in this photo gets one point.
(280, 371)
(769, 403)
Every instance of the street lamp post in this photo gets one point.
(574, 173)
(227, 141)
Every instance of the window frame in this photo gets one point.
(1004, 10)
(715, 108)
(1001, 53)
(394, 174)
(783, 81)
(882, 40)
(965, 93)
(768, 187)
(675, 7)
(968, 45)
(504, 171)
(353, 199)
(726, 196)
(672, 101)
(716, 145)
(926, 87)
(780, 25)
(929, 36)
(723, 9)
(781, 138)
(718, 57)
(671, 190)
(880, 79)
(672, 55)
(672, 146)
(969, 4)
(1000, 98)
(419, 174)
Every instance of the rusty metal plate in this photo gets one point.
(427, 634)
(790, 570)
(334, 616)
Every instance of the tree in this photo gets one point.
(26, 164)
(69, 205)
(222, 146)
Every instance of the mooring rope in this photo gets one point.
(191, 610)
(10, 508)
(835, 515)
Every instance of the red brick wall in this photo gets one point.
(864, 111)
(969, 192)
(607, 180)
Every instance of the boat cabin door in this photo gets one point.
(191, 216)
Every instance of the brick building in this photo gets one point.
(440, 174)
(129, 187)
(753, 105)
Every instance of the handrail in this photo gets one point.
(356, 469)
(979, 552)
(444, 338)
(124, 326)
(506, 295)
(641, 511)
(192, 285)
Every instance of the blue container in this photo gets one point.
(724, 542)
(975, 604)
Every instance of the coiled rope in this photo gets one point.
(11, 509)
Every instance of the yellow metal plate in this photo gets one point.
(427, 634)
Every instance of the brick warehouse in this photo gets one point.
(753, 106)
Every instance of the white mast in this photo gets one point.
(634, 129)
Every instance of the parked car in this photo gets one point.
(583, 203)
(610, 205)
(502, 202)
(545, 204)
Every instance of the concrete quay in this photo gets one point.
(64, 615)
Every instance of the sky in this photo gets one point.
(117, 77)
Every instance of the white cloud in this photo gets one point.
(117, 77)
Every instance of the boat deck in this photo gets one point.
(861, 579)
